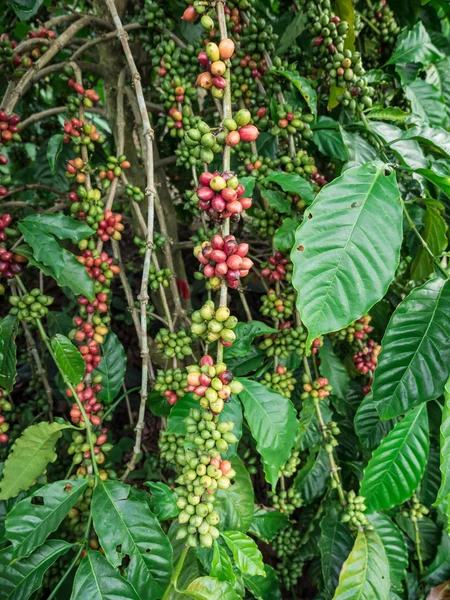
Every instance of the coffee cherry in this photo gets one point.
(366, 359)
(277, 268)
(30, 307)
(173, 344)
(222, 258)
(278, 306)
(212, 384)
(213, 325)
(315, 390)
(354, 513)
(289, 340)
(281, 381)
(171, 384)
(220, 195)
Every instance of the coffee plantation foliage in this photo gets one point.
(225, 317)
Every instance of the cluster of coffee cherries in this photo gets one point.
(278, 305)
(157, 277)
(277, 268)
(214, 77)
(367, 358)
(255, 165)
(385, 29)
(75, 169)
(289, 565)
(100, 267)
(354, 512)
(87, 396)
(289, 340)
(5, 177)
(357, 330)
(286, 500)
(266, 221)
(81, 133)
(207, 433)
(316, 390)
(88, 206)
(158, 242)
(9, 128)
(290, 467)
(90, 96)
(290, 122)
(172, 384)
(7, 56)
(173, 344)
(110, 226)
(221, 196)
(212, 384)
(11, 264)
(223, 258)
(304, 165)
(200, 144)
(414, 510)
(174, 122)
(113, 169)
(135, 192)
(5, 406)
(80, 449)
(282, 381)
(239, 128)
(30, 307)
(213, 325)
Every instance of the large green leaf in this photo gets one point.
(303, 86)
(397, 465)
(441, 181)
(235, 504)
(8, 350)
(207, 588)
(245, 334)
(358, 149)
(112, 367)
(426, 102)
(369, 427)
(70, 273)
(68, 359)
(407, 151)
(221, 567)
(267, 523)
(292, 182)
(263, 588)
(97, 579)
(414, 362)
(439, 570)
(336, 543)
(29, 457)
(330, 143)
(394, 544)
(246, 553)
(162, 501)
(20, 579)
(333, 369)
(127, 528)
(365, 574)
(435, 235)
(444, 489)
(344, 256)
(273, 423)
(312, 479)
(436, 137)
(414, 46)
(57, 225)
(33, 519)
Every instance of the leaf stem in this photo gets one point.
(66, 574)
(418, 549)
(176, 574)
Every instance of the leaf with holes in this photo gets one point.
(365, 573)
(68, 359)
(29, 457)
(235, 505)
(8, 351)
(34, 518)
(414, 362)
(127, 528)
(344, 256)
(97, 579)
(20, 579)
(246, 554)
(394, 544)
(272, 420)
(112, 367)
(335, 544)
(397, 465)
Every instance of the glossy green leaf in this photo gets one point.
(292, 182)
(431, 480)
(312, 479)
(344, 256)
(178, 413)
(369, 427)
(407, 151)
(439, 570)
(162, 501)
(436, 137)
(126, 527)
(30, 522)
(70, 273)
(426, 102)
(330, 143)
(397, 465)
(263, 588)
(444, 489)
(414, 46)
(246, 553)
(8, 351)
(308, 433)
(112, 367)
(235, 505)
(55, 144)
(241, 366)
(303, 86)
(291, 33)
(272, 420)
(58, 322)
(414, 362)
(29, 457)
(365, 574)
(58, 225)
(284, 237)
(394, 544)
(435, 235)
(441, 181)
(392, 113)
(68, 359)
(267, 523)
(249, 185)
(359, 150)
(277, 200)
(19, 580)
(221, 567)
(333, 369)
(208, 588)
(336, 543)
(245, 334)
(97, 579)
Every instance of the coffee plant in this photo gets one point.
(225, 327)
